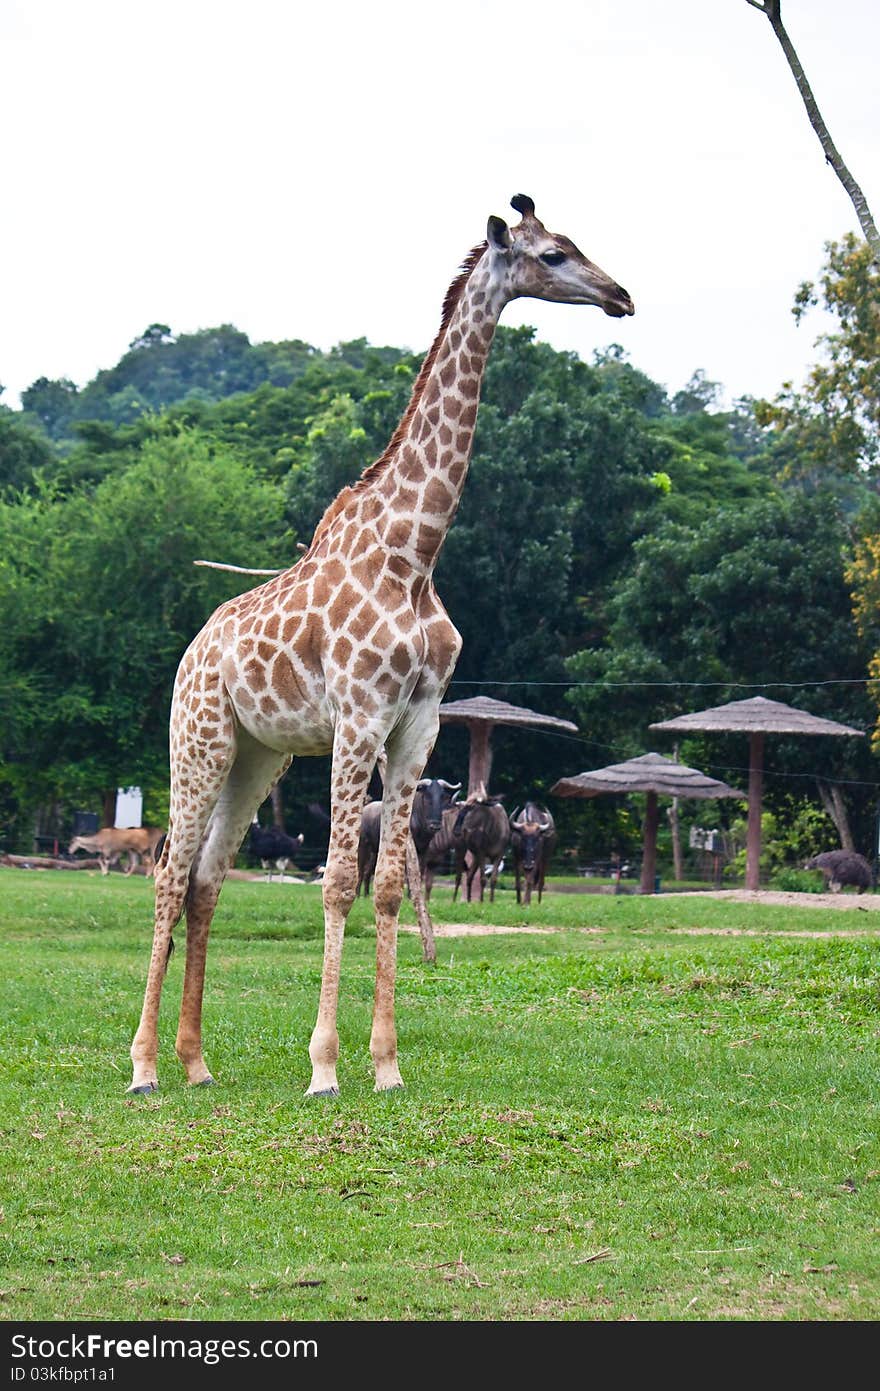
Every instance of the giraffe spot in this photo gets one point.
(400, 659)
(382, 638)
(246, 624)
(362, 698)
(405, 499)
(445, 434)
(398, 534)
(475, 342)
(457, 472)
(268, 706)
(438, 498)
(434, 415)
(291, 628)
(447, 374)
(429, 540)
(463, 441)
(453, 407)
(371, 509)
(388, 485)
(454, 339)
(365, 571)
(346, 598)
(363, 622)
(254, 674)
(433, 392)
(363, 543)
(388, 686)
(416, 471)
(244, 699)
(266, 650)
(405, 620)
(399, 567)
(284, 680)
(342, 651)
(469, 387)
(468, 416)
(271, 626)
(367, 664)
(430, 454)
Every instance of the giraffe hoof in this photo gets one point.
(143, 1090)
(392, 1087)
(329, 1091)
(205, 1082)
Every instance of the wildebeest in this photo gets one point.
(483, 827)
(111, 842)
(840, 867)
(433, 797)
(532, 841)
(273, 846)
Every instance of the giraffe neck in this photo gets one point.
(422, 479)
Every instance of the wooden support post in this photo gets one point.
(756, 788)
(649, 848)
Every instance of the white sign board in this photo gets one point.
(129, 807)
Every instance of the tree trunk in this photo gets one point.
(277, 806)
(108, 814)
(832, 801)
(772, 9)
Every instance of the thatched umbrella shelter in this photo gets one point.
(481, 714)
(657, 777)
(756, 717)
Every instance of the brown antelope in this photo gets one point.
(110, 843)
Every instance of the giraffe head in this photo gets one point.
(538, 264)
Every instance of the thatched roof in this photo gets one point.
(649, 773)
(755, 716)
(485, 710)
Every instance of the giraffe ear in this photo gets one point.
(498, 234)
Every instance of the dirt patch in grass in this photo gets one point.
(483, 930)
(868, 903)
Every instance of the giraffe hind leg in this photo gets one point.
(187, 824)
(253, 775)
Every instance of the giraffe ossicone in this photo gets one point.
(348, 650)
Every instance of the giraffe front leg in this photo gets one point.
(407, 754)
(348, 785)
(170, 892)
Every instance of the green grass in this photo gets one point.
(644, 1114)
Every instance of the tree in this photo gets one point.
(828, 433)
(106, 599)
(750, 597)
(24, 452)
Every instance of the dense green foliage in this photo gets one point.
(618, 556)
(665, 1110)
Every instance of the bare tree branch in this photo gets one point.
(773, 10)
(239, 569)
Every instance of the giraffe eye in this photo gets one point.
(553, 258)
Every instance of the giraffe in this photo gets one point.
(348, 651)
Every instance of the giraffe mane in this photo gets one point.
(377, 468)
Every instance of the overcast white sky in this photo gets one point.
(318, 171)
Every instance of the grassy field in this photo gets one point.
(643, 1113)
